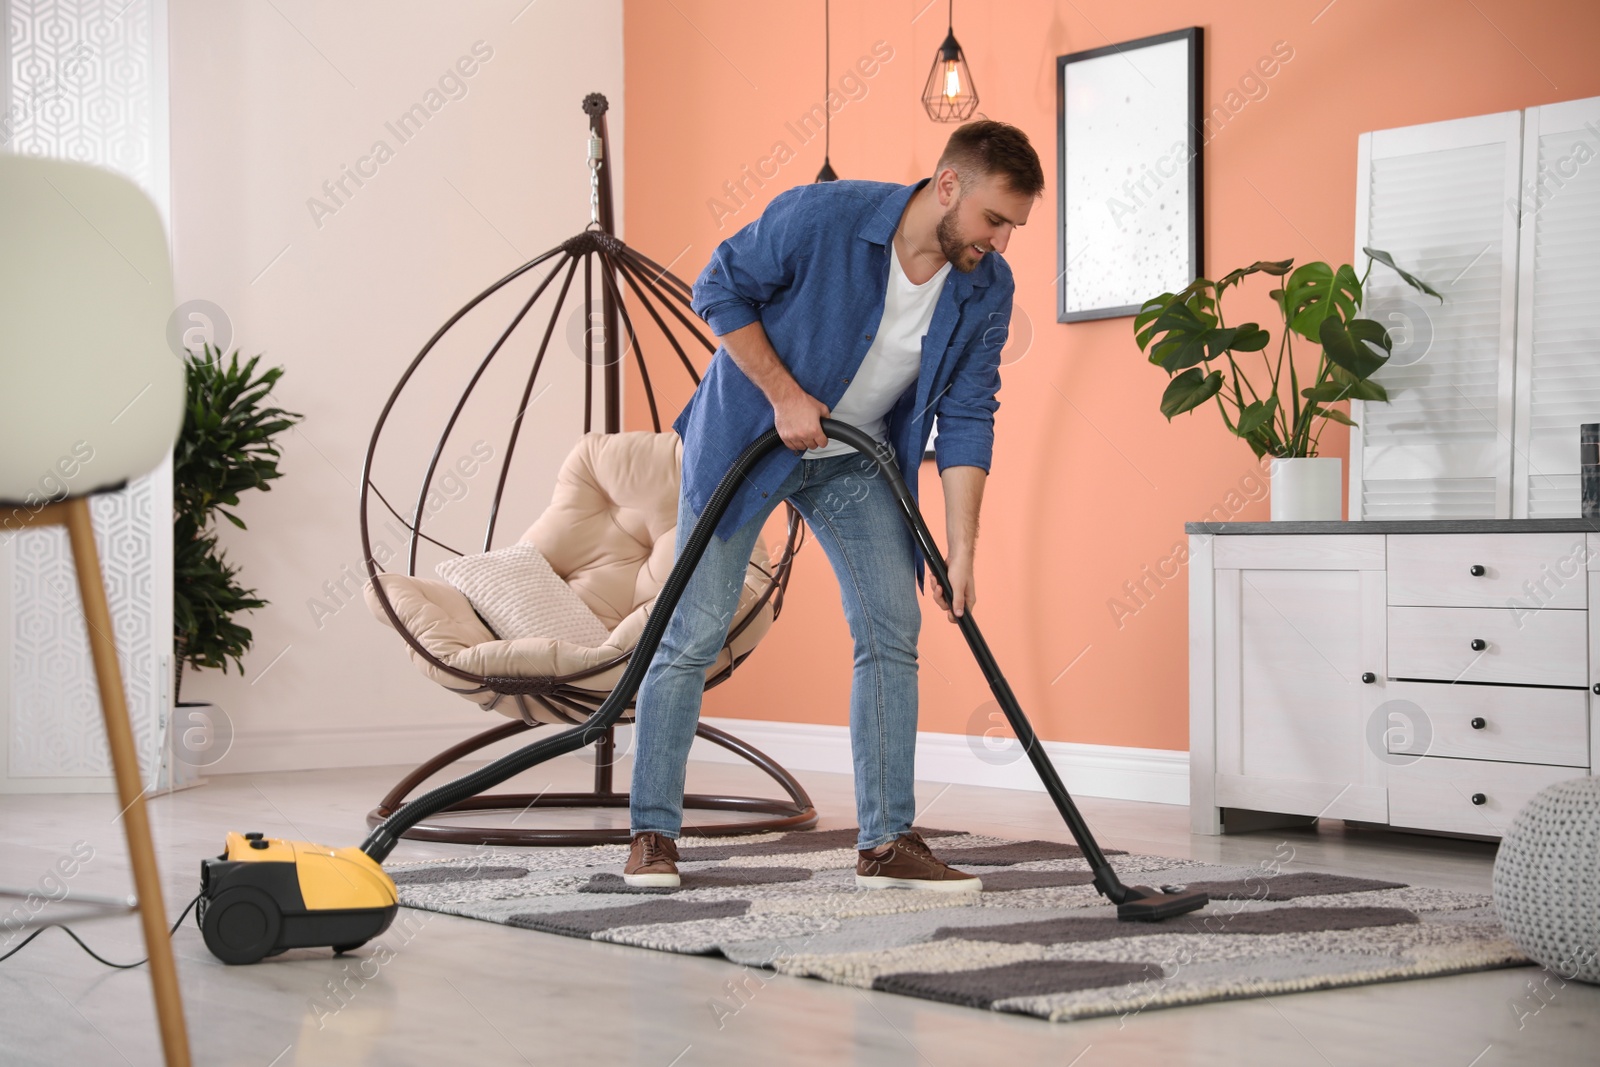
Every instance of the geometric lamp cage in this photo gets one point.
(950, 95)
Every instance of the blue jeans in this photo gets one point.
(855, 518)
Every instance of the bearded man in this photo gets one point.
(879, 305)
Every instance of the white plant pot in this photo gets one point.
(1306, 488)
(189, 743)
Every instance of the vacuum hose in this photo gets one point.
(384, 837)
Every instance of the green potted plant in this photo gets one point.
(226, 448)
(1283, 416)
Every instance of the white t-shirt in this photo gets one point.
(892, 362)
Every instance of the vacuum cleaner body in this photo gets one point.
(264, 895)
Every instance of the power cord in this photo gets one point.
(92, 952)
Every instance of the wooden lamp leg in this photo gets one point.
(125, 762)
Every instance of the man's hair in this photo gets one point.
(998, 149)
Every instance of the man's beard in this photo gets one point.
(954, 248)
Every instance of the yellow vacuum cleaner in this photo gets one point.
(264, 895)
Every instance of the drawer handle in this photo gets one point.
(1368, 677)
(1479, 644)
(1478, 723)
(1477, 570)
(1479, 799)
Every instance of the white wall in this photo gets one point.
(268, 102)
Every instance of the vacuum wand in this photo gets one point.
(1133, 902)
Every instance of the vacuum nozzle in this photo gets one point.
(1143, 904)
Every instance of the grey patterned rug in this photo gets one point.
(1038, 940)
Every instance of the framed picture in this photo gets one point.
(1128, 141)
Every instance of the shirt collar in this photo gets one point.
(879, 227)
(880, 224)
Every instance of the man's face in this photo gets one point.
(979, 220)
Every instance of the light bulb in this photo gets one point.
(952, 80)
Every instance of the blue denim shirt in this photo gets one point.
(814, 269)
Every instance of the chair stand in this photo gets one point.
(797, 813)
(73, 513)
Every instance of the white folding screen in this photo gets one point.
(1558, 332)
(1435, 197)
(86, 80)
(1501, 213)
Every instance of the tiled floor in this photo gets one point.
(456, 991)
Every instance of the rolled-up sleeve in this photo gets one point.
(965, 413)
(747, 269)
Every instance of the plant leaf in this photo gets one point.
(1185, 334)
(1250, 338)
(1406, 276)
(1326, 393)
(1149, 311)
(1316, 292)
(1347, 346)
(1275, 267)
(1189, 390)
(1256, 415)
(1355, 389)
(1336, 415)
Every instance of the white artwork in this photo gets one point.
(1129, 204)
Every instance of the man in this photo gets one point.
(885, 307)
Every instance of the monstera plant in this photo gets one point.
(1279, 414)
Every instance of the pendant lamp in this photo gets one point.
(826, 174)
(950, 95)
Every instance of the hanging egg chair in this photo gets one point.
(607, 532)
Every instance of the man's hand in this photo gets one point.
(966, 593)
(795, 412)
(798, 416)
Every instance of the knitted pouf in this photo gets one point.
(1547, 879)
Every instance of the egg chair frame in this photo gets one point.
(653, 288)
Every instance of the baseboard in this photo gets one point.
(1155, 775)
(326, 747)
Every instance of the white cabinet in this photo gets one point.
(1594, 653)
(1298, 621)
(1365, 671)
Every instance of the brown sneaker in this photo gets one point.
(652, 861)
(907, 863)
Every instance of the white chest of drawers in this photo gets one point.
(1422, 675)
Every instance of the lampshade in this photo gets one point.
(950, 95)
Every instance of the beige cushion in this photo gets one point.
(609, 533)
(514, 590)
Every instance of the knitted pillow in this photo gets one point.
(518, 595)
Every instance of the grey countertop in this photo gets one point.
(1400, 526)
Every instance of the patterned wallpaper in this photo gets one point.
(85, 80)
